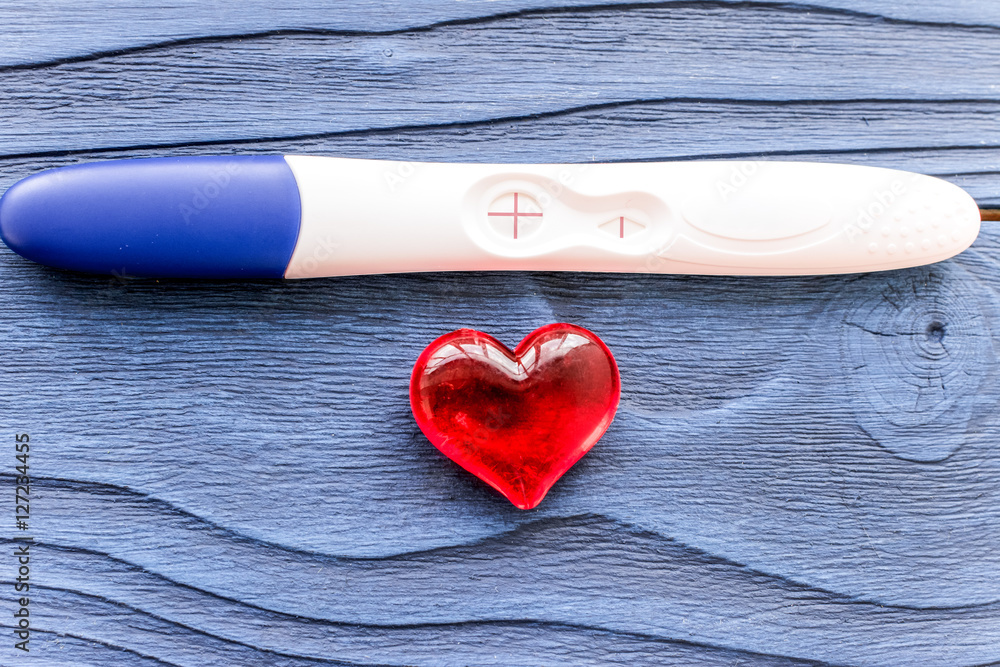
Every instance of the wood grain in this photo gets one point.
(71, 30)
(510, 66)
(803, 471)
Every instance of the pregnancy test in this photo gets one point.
(303, 217)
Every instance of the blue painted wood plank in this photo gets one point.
(65, 29)
(196, 619)
(515, 585)
(290, 86)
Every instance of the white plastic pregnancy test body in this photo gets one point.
(695, 217)
(230, 217)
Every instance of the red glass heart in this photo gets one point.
(516, 420)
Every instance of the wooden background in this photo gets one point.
(802, 470)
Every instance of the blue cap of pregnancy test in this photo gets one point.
(190, 217)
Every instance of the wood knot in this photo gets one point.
(916, 348)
